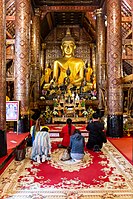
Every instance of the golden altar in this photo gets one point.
(72, 110)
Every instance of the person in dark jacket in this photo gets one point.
(77, 144)
(96, 134)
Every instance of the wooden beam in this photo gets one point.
(128, 78)
(48, 16)
(90, 17)
(126, 86)
(128, 42)
(129, 33)
(10, 41)
(128, 2)
(10, 18)
(9, 35)
(63, 8)
(127, 57)
(9, 4)
(126, 19)
(10, 79)
(9, 56)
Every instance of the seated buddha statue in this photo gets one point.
(75, 65)
(67, 70)
(68, 62)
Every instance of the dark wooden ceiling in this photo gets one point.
(39, 3)
(70, 13)
(74, 13)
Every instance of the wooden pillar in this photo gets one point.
(21, 62)
(114, 58)
(100, 56)
(3, 143)
(35, 55)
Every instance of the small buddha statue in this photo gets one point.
(89, 72)
(45, 79)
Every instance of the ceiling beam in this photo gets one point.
(128, 34)
(10, 18)
(127, 42)
(10, 41)
(126, 19)
(48, 16)
(9, 56)
(127, 57)
(9, 4)
(127, 2)
(90, 17)
(68, 8)
(8, 34)
(127, 78)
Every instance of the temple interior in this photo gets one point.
(67, 59)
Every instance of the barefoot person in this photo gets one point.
(41, 149)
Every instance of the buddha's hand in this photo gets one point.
(70, 86)
(52, 81)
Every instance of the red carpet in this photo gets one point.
(13, 140)
(60, 169)
(124, 145)
(106, 174)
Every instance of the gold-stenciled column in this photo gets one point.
(93, 62)
(3, 143)
(114, 60)
(100, 56)
(21, 62)
(42, 61)
(35, 55)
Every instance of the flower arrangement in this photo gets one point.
(90, 112)
(56, 103)
(85, 113)
(83, 103)
(55, 113)
(47, 115)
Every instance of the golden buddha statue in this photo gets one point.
(68, 70)
(68, 61)
(89, 72)
(46, 76)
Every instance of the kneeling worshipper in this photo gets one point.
(65, 133)
(77, 144)
(41, 148)
(96, 134)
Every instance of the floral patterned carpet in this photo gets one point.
(101, 175)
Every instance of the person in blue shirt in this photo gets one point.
(77, 144)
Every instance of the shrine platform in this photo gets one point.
(56, 128)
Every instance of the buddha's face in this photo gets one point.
(68, 48)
